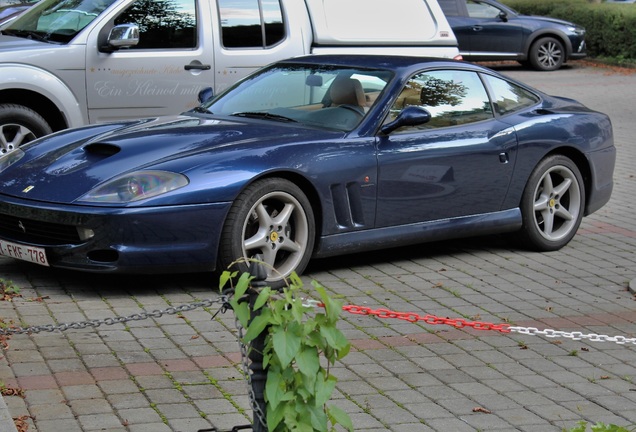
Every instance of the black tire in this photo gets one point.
(257, 227)
(552, 204)
(20, 125)
(547, 54)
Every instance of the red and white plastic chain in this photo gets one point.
(477, 325)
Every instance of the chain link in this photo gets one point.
(480, 325)
(428, 319)
(248, 376)
(592, 337)
(113, 320)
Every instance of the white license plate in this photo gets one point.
(26, 253)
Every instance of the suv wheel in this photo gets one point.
(547, 54)
(18, 126)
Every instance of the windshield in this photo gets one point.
(56, 20)
(326, 97)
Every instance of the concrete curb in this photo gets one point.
(6, 422)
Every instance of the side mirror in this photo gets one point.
(122, 36)
(503, 16)
(205, 94)
(410, 116)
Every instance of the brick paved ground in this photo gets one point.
(180, 373)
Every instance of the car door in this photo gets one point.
(255, 33)
(163, 73)
(459, 163)
(488, 32)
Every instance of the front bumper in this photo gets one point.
(120, 240)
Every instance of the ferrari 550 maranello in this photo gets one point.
(311, 157)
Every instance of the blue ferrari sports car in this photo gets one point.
(311, 157)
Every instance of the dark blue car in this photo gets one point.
(487, 30)
(311, 157)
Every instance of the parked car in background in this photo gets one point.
(489, 30)
(314, 156)
(621, 1)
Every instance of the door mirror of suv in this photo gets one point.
(122, 36)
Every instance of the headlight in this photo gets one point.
(136, 186)
(577, 30)
(10, 158)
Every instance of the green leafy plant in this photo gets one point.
(599, 427)
(297, 335)
(8, 287)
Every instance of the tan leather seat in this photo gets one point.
(347, 91)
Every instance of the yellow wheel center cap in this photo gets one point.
(273, 236)
(552, 203)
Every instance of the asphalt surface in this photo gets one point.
(180, 372)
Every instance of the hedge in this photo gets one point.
(611, 27)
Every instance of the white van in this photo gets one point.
(67, 63)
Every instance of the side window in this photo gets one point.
(508, 97)
(251, 23)
(163, 24)
(450, 7)
(481, 10)
(453, 97)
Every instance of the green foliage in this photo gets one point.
(599, 427)
(7, 287)
(610, 28)
(298, 387)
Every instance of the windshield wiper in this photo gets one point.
(264, 115)
(200, 109)
(29, 34)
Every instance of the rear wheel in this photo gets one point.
(547, 54)
(552, 204)
(19, 125)
(271, 220)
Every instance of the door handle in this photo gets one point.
(477, 28)
(195, 66)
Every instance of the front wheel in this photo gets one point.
(547, 54)
(271, 220)
(19, 125)
(552, 204)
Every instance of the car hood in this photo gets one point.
(64, 166)
(11, 44)
(549, 20)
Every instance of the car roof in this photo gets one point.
(403, 66)
(376, 61)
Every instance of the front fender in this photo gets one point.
(25, 78)
(565, 40)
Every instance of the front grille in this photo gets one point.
(38, 232)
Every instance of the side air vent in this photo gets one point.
(347, 204)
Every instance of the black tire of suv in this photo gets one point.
(19, 125)
(547, 54)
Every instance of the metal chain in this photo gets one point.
(592, 337)
(480, 325)
(428, 319)
(110, 321)
(248, 376)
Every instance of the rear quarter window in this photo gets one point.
(251, 23)
(508, 97)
